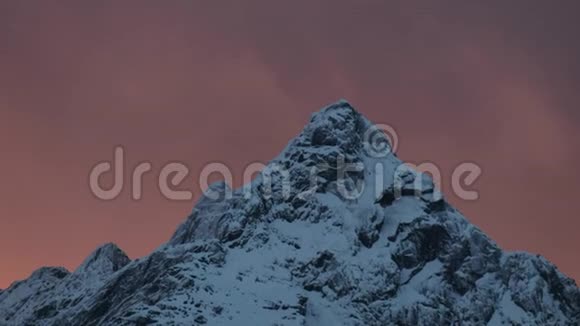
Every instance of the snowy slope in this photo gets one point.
(51, 290)
(309, 254)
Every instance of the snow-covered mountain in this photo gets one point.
(307, 253)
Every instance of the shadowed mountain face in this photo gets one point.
(285, 250)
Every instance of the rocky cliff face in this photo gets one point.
(52, 290)
(366, 242)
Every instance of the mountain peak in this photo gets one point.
(338, 125)
(336, 115)
(311, 255)
(106, 258)
(49, 272)
(340, 105)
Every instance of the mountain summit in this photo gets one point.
(334, 231)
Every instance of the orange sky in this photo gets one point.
(492, 84)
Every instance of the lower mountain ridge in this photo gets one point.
(285, 250)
